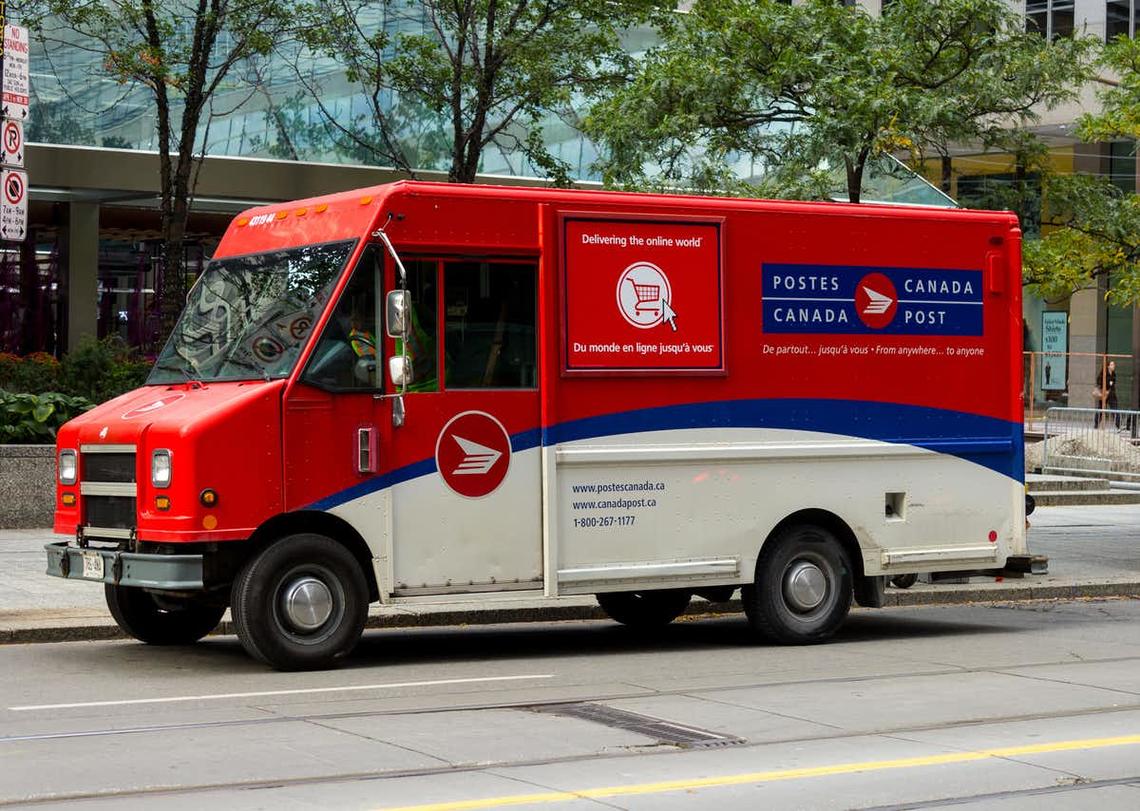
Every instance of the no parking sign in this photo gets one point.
(12, 141)
(13, 204)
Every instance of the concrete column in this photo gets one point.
(79, 260)
(1087, 330)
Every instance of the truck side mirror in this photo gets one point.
(398, 316)
(399, 371)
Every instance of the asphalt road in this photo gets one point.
(1009, 706)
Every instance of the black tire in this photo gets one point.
(904, 581)
(161, 619)
(803, 587)
(298, 565)
(645, 610)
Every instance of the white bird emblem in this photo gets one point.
(477, 459)
(878, 303)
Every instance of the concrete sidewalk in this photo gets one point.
(1093, 551)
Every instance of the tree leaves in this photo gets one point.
(796, 88)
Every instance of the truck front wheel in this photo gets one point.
(160, 619)
(645, 609)
(803, 586)
(300, 604)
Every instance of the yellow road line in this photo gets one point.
(773, 776)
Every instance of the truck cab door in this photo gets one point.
(466, 471)
(331, 428)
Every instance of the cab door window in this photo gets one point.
(346, 356)
(489, 325)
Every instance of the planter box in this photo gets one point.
(27, 486)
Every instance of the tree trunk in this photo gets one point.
(855, 177)
(947, 174)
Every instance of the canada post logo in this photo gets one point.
(841, 299)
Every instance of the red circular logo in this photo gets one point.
(151, 407)
(473, 454)
(876, 301)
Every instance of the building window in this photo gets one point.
(1050, 18)
(1121, 18)
(1122, 165)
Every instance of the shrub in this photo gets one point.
(34, 373)
(35, 418)
(96, 370)
(100, 370)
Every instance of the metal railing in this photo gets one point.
(1074, 379)
(1091, 440)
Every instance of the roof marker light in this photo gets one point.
(321, 209)
(282, 215)
(244, 221)
(301, 212)
(366, 200)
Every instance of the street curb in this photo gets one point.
(91, 632)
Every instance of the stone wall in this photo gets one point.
(27, 486)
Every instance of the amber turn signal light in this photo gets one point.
(162, 502)
(68, 499)
(208, 497)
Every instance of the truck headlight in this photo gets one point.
(160, 468)
(68, 467)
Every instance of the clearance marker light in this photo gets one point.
(68, 499)
(282, 215)
(301, 212)
(366, 200)
(244, 221)
(321, 209)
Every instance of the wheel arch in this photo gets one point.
(829, 521)
(320, 523)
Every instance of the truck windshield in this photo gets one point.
(249, 316)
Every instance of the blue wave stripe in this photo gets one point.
(995, 444)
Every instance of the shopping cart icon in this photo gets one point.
(648, 297)
(644, 296)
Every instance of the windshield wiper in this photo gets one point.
(190, 376)
(249, 365)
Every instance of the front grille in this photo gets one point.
(110, 512)
(109, 467)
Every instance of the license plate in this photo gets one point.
(92, 566)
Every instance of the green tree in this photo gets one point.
(1092, 231)
(1092, 227)
(820, 85)
(184, 54)
(491, 70)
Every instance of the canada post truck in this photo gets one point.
(426, 392)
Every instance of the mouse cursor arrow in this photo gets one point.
(667, 314)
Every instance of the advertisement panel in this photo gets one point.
(642, 295)
(1055, 343)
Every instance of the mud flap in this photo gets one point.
(870, 591)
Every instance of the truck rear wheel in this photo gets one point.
(645, 609)
(301, 603)
(803, 586)
(161, 619)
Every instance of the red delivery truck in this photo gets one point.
(427, 391)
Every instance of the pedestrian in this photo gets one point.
(1106, 396)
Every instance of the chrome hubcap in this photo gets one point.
(805, 586)
(307, 603)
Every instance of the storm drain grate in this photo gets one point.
(663, 731)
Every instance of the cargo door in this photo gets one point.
(466, 499)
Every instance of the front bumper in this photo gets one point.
(169, 572)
